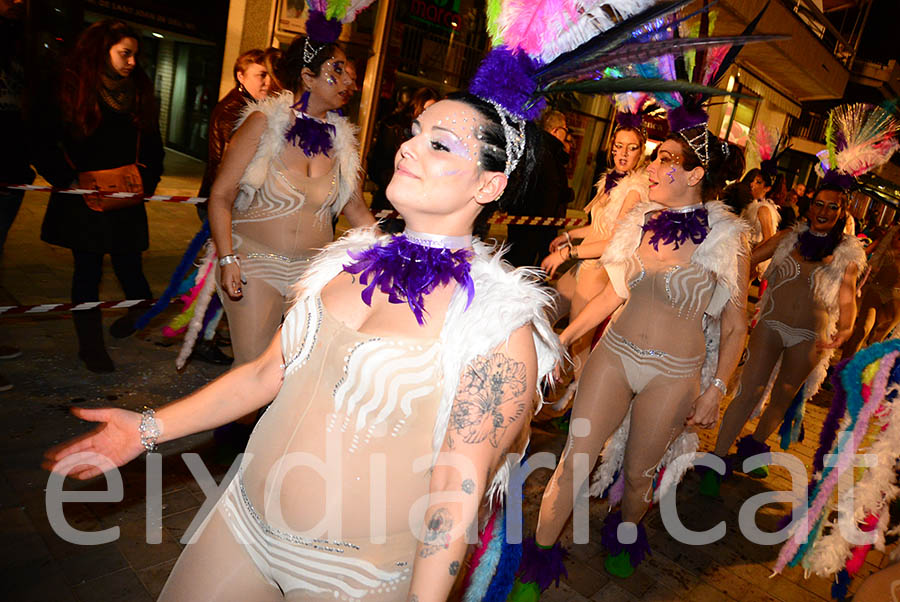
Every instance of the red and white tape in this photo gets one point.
(44, 308)
(497, 219)
(501, 219)
(190, 200)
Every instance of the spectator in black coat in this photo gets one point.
(106, 117)
(547, 196)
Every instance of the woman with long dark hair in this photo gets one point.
(403, 373)
(103, 134)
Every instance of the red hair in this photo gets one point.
(79, 89)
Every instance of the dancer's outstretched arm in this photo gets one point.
(117, 440)
(598, 309)
(492, 407)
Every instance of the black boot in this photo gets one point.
(91, 350)
(124, 326)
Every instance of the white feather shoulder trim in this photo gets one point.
(277, 110)
(505, 300)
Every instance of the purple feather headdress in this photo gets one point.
(407, 271)
(629, 120)
(321, 29)
(507, 77)
(675, 227)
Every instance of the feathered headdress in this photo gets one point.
(326, 18)
(769, 144)
(858, 138)
(703, 66)
(629, 109)
(543, 47)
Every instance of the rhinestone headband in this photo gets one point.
(699, 144)
(310, 51)
(514, 132)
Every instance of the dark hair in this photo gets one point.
(736, 197)
(723, 165)
(80, 83)
(493, 154)
(254, 56)
(417, 103)
(779, 191)
(291, 65)
(748, 177)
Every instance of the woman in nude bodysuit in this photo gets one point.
(668, 283)
(272, 204)
(617, 192)
(807, 312)
(401, 376)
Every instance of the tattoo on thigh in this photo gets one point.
(414, 598)
(488, 401)
(437, 533)
(454, 567)
(468, 486)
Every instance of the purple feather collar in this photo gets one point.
(677, 226)
(312, 135)
(815, 247)
(411, 265)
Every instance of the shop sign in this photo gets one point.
(441, 13)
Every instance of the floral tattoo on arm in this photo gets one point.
(488, 401)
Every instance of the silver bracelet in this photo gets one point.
(149, 429)
(720, 385)
(223, 261)
(568, 238)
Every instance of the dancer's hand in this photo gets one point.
(232, 280)
(115, 442)
(558, 242)
(705, 412)
(839, 338)
(552, 261)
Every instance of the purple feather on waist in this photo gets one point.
(406, 272)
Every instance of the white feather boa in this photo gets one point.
(872, 494)
(277, 110)
(604, 215)
(505, 300)
(719, 253)
(826, 289)
(751, 214)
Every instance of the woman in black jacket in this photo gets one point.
(107, 119)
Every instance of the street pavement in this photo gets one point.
(49, 380)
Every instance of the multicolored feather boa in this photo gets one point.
(871, 381)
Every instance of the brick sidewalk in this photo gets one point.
(49, 380)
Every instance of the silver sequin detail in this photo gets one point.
(310, 338)
(281, 258)
(643, 352)
(316, 544)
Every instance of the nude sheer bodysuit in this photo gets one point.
(275, 238)
(790, 323)
(349, 401)
(649, 362)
